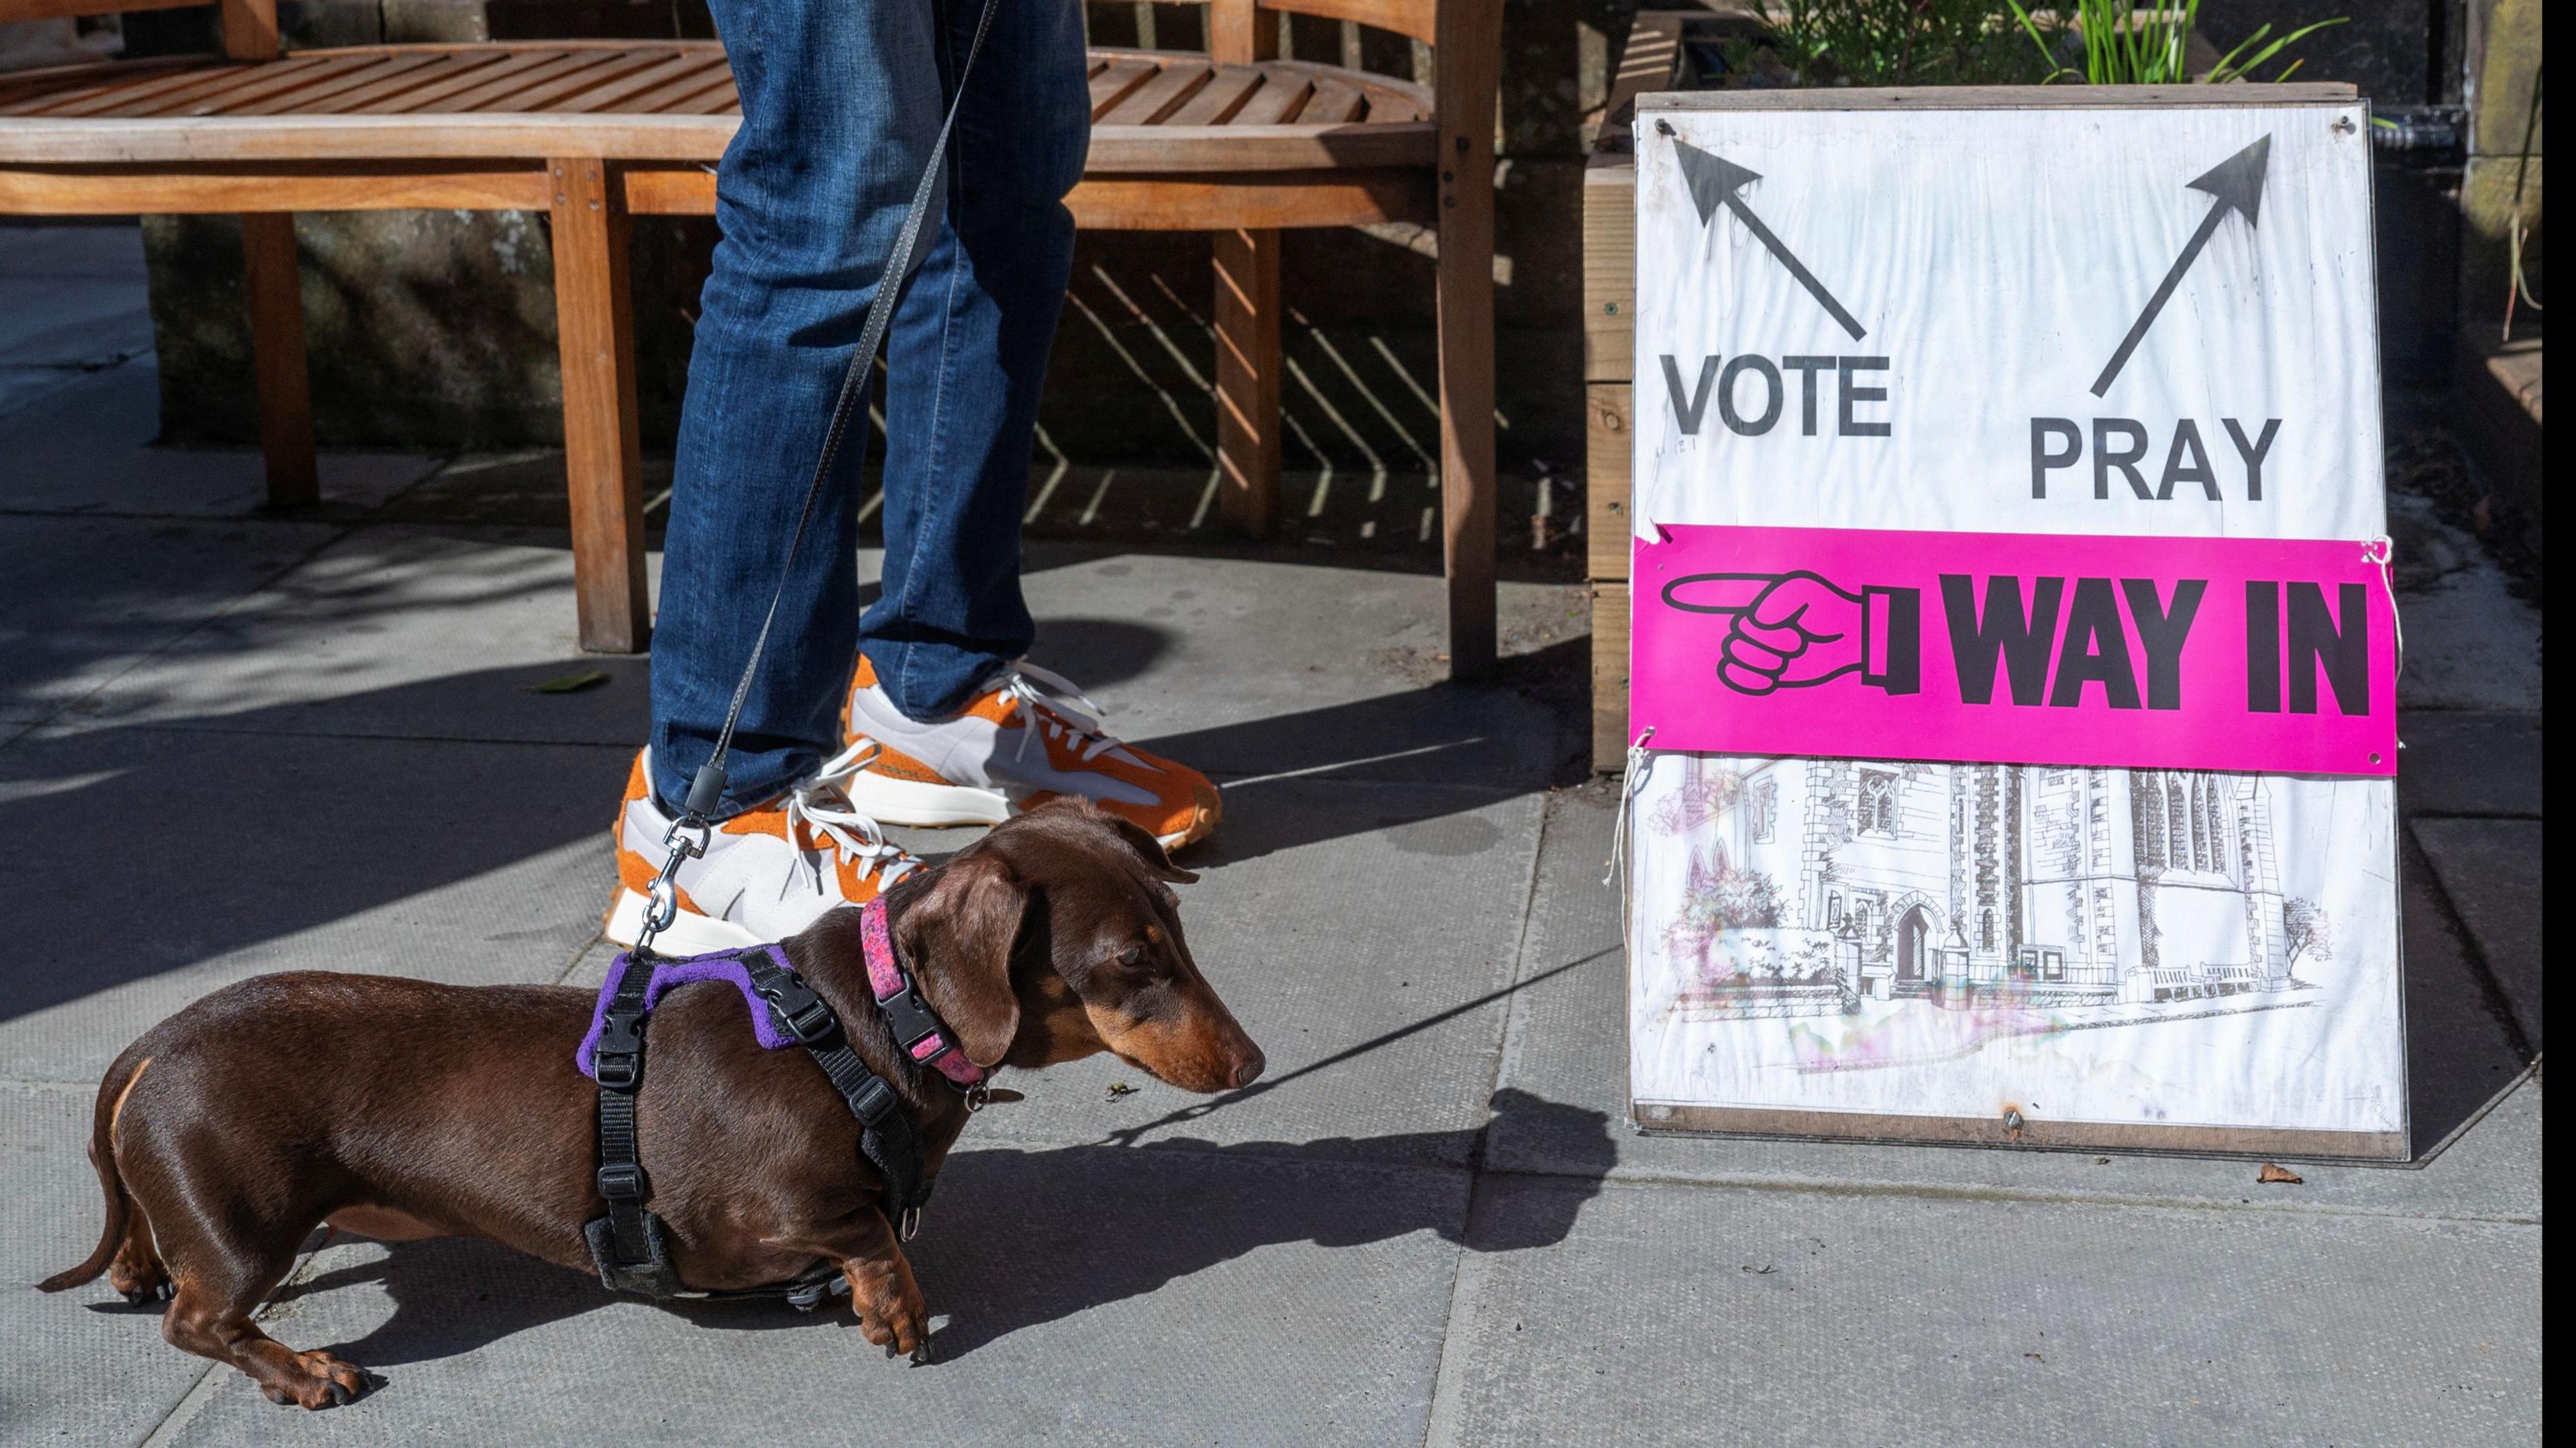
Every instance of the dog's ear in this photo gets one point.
(958, 937)
(1149, 849)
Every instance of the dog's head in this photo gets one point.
(1058, 935)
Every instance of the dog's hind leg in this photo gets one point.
(217, 1288)
(226, 1221)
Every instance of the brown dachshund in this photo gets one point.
(400, 1109)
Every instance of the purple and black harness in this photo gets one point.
(628, 1242)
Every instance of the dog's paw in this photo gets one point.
(327, 1382)
(142, 1282)
(892, 1314)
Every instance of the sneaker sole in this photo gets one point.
(892, 801)
(918, 805)
(689, 933)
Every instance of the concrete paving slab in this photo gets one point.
(524, 489)
(1090, 1296)
(58, 321)
(2490, 870)
(86, 449)
(22, 387)
(1693, 1315)
(1246, 667)
(91, 596)
(408, 632)
(156, 865)
(1566, 1043)
(1361, 934)
(106, 249)
(2472, 642)
(94, 1371)
(2469, 762)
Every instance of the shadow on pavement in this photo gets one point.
(1019, 1238)
(283, 817)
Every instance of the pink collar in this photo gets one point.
(916, 1029)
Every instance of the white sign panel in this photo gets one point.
(2151, 320)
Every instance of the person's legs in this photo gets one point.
(967, 358)
(841, 105)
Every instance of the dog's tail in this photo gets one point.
(112, 1088)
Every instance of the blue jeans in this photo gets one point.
(841, 106)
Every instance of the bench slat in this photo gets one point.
(1159, 97)
(617, 93)
(30, 87)
(323, 97)
(220, 81)
(1115, 79)
(115, 91)
(1276, 102)
(1333, 101)
(242, 87)
(1219, 99)
(481, 71)
(548, 64)
(719, 102)
(693, 86)
(547, 95)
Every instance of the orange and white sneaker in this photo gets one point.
(766, 874)
(1029, 737)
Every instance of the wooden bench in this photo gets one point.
(1234, 142)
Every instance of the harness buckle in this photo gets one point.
(621, 1181)
(798, 1008)
(617, 1063)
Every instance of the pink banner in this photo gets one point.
(2260, 654)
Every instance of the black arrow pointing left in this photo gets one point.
(1715, 181)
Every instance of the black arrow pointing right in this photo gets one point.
(2237, 183)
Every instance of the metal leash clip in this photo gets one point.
(685, 840)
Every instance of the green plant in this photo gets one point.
(1899, 42)
(2124, 45)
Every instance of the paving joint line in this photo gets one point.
(185, 1411)
(1447, 1370)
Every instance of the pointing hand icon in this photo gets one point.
(1795, 630)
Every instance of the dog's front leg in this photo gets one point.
(892, 1313)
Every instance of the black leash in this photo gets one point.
(628, 1243)
(687, 837)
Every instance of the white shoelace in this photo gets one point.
(1060, 708)
(818, 805)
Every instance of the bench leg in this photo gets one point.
(1466, 288)
(603, 461)
(275, 290)
(1247, 380)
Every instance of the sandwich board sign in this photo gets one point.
(2013, 658)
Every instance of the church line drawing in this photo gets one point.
(1815, 883)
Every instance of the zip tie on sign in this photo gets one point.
(2381, 550)
(1631, 779)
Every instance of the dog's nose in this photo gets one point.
(1247, 1067)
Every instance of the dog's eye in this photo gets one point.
(1133, 955)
